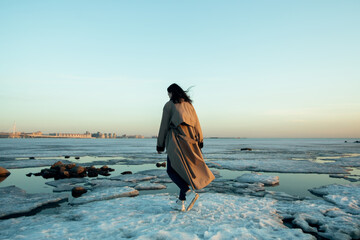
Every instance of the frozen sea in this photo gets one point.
(281, 189)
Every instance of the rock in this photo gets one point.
(67, 157)
(78, 171)
(92, 174)
(49, 173)
(4, 172)
(246, 149)
(104, 168)
(29, 174)
(126, 172)
(65, 174)
(57, 165)
(357, 142)
(104, 173)
(31, 158)
(77, 158)
(163, 164)
(78, 191)
(70, 165)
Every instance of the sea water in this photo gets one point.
(140, 154)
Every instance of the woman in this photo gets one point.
(180, 133)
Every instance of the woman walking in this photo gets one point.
(180, 133)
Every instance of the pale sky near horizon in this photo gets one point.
(258, 68)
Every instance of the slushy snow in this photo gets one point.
(214, 216)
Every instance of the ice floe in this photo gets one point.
(320, 218)
(15, 201)
(97, 183)
(149, 186)
(258, 178)
(133, 177)
(100, 194)
(280, 166)
(346, 197)
(29, 163)
(215, 216)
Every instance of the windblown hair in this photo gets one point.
(178, 94)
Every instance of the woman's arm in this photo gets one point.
(199, 131)
(164, 128)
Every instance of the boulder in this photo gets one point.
(163, 164)
(126, 172)
(78, 170)
(57, 165)
(70, 165)
(246, 149)
(78, 191)
(4, 172)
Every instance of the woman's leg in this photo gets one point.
(184, 187)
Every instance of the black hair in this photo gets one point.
(177, 94)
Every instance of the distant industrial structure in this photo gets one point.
(39, 134)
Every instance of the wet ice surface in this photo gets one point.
(346, 197)
(14, 200)
(100, 194)
(238, 204)
(258, 177)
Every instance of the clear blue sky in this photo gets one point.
(259, 68)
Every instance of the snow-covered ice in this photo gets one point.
(70, 181)
(100, 194)
(95, 183)
(214, 216)
(346, 197)
(160, 173)
(320, 218)
(14, 200)
(29, 163)
(133, 177)
(276, 165)
(258, 178)
(149, 186)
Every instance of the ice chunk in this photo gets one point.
(278, 165)
(346, 197)
(100, 194)
(133, 177)
(258, 177)
(149, 186)
(154, 172)
(14, 200)
(320, 218)
(109, 183)
(10, 164)
(70, 181)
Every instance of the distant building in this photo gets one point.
(71, 135)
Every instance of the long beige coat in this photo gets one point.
(180, 133)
